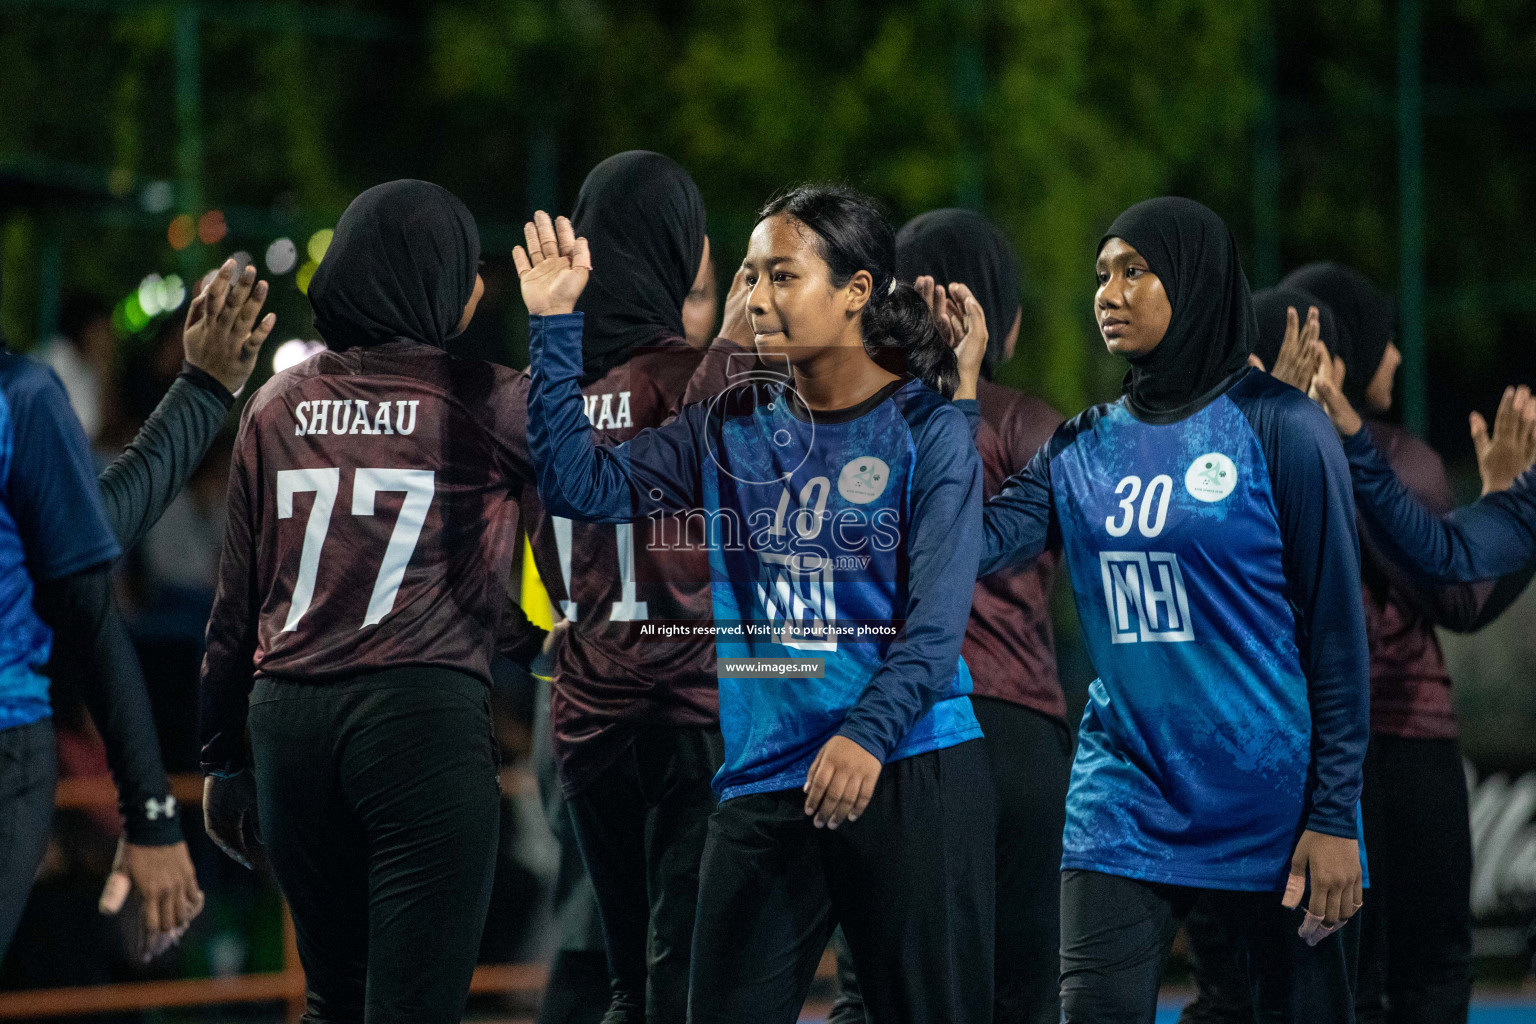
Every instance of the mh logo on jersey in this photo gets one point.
(1145, 596)
(796, 593)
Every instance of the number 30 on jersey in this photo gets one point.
(1144, 591)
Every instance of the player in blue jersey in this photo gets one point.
(1492, 539)
(1416, 940)
(842, 500)
(61, 530)
(1209, 532)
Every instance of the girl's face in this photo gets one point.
(701, 304)
(469, 307)
(1011, 342)
(1131, 306)
(795, 311)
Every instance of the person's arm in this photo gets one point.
(91, 644)
(1491, 538)
(970, 408)
(141, 483)
(1321, 557)
(220, 342)
(51, 493)
(229, 791)
(1018, 523)
(1460, 607)
(943, 547)
(228, 664)
(657, 470)
(519, 640)
(1322, 570)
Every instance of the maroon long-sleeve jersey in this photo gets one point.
(607, 579)
(1410, 687)
(1009, 644)
(372, 524)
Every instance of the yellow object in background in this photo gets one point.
(533, 597)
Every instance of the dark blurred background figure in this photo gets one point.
(84, 356)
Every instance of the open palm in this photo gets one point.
(1510, 448)
(553, 269)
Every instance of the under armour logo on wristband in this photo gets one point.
(156, 809)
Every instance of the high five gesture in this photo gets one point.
(961, 323)
(1510, 448)
(554, 268)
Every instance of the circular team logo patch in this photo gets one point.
(863, 480)
(1211, 477)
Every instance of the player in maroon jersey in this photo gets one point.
(371, 527)
(635, 722)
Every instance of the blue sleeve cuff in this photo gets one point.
(860, 735)
(550, 345)
(1361, 446)
(1342, 826)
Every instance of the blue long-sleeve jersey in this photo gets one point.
(848, 540)
(51, 524)
(1217, 574)
(1491, 538)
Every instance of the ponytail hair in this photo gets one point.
(853, 235)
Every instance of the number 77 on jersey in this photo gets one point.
(418, 486)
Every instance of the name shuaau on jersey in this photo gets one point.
(353, 416)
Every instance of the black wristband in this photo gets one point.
(205, 380)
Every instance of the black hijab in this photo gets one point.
(644, 219)
(1211, 333)
(1365, 318)
(1270, 306)
(961, 245)
(401, 266)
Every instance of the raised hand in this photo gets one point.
(1296, 362)
(222, 337)
(938, 304)
(553, 269)
(968, 331)
(1511, 448)
(1328, 393)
